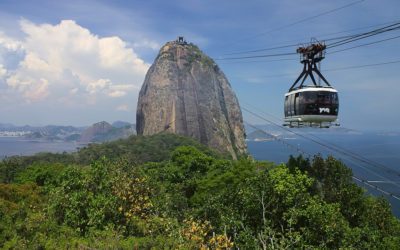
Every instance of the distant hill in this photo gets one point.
(258, 135)
(103, 131)
(121, 124)
(49, 132)
(6, 125)
(279, 131)
(98, 132)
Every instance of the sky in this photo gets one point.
(81, 62)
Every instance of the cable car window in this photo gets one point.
(301, 106)
(310, 97)
(311, 103)
(292, 105)
(321, 97)
(334, 97)
(325, 98)
(286, 105)
(296, 104)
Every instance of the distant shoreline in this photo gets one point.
(21, 146)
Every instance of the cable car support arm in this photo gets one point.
(310, 56)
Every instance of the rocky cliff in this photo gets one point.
(185, 92)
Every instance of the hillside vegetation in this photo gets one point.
(169, 192)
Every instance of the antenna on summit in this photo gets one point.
(181, 40)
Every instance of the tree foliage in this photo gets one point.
(163, 195)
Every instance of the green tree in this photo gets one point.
(83, 197)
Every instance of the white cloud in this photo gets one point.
(114, 54)
(147, 44)
(11, 52)
(99, 85)
(67, 59)
(123, 107)
(3, 71)
(116, 93)
(39, 92)
(124, 87)
(9, 43)
(73, 91)
(107, 87)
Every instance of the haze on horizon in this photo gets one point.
(80, 62)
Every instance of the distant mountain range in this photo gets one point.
(104, 131)
(98, 132)
(268, 132)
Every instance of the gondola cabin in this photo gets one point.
(311, 105)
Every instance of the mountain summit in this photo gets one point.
(186, 93)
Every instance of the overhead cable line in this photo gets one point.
(260, 61)
(295, 148)
(341, 68)
(360, 28)
(319, 36)
(361, 158)
(346, 40)
(257, 56)
(339, 149)
(302, 20)
(318, 142)
(284, 46)
(363, 66)
(364, 35)
(276, 138)
(365, 44)
(264, 49)
(354, 157)
(366, 182)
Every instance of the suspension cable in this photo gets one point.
(348, 39)
(366, 182)
(299, 21)
(340, 151)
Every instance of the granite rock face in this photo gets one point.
(185, 93)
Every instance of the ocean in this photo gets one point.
(379, 154)
(372, 156)
(10, 146)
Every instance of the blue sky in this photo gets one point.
(80, 62)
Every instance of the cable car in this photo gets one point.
(311, 104)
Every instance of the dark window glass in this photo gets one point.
(286, 105)
(292, 111)
(310, 97)
(335, 99)
(312, 103)
(296, 104)
(301, 106)
(319, 103)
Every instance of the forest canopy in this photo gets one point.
(166, 191)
